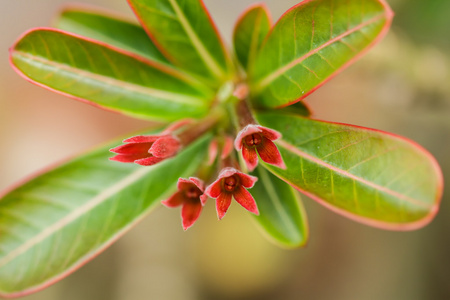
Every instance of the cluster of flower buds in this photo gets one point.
(226, 180)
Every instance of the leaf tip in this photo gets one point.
(388, 10)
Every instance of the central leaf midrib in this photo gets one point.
(156, 93)
(204, 54)
(76, 214)
(264, 82)
(296, 151)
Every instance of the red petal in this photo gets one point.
(250, 158)
(244, 198)
(269, 153)
(248, 130)
(270, 133)
(142, 139)
(149, 161)
(183, 183)
(175, 200)
(223, 202)
(214, 189)
(190, 213)
(133, 148)
(128, 158)
(164, 147)
(247, 181)
(203, 199)
(227, 172)
(198, 182)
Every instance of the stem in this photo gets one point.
(194, 131)
(244, 114)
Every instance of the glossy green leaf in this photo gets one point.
(370, 176)
(250, 31)
(311, 42)
(107, 77)
(185, 33)
(299, 108)
(111, 30)
(281, 214)
(58, 221)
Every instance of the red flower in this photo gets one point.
(190, 195)
(232, 183)
(258, 139)
(147, 150)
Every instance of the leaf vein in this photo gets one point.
(268, 79)
(210, 62)
(74, 215)
(345, 147)
(108, 81)
(349, 175)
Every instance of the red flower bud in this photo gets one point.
(147, 150)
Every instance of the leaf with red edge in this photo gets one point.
(282, 216)
(108, 77)
(312, 42)
(250, 31)
(109, 29)
(185, 33)
(367, 175)
(299, 108)
(56, 222)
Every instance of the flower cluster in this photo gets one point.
(225, 177)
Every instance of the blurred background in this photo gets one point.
(401, 86)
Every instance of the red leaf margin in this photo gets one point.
(159, 66)
(251, 7)
(86, 259)
(389, 16)
(380, 224)
(164, 51)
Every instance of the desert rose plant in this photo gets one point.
(233, 128)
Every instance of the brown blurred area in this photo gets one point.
(401, 86)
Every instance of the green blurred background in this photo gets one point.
(401, 86)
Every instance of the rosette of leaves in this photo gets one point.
(173, 65)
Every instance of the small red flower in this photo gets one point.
(255, 139)
(147, 150)
(190, 195)
(232, 183)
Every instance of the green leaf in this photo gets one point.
(250, 31)
(312, 42)
(186, 35)
(281, 213)
(56, 222)
(370, 176)
(107, 77)
(299, 108)
(111, 30)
